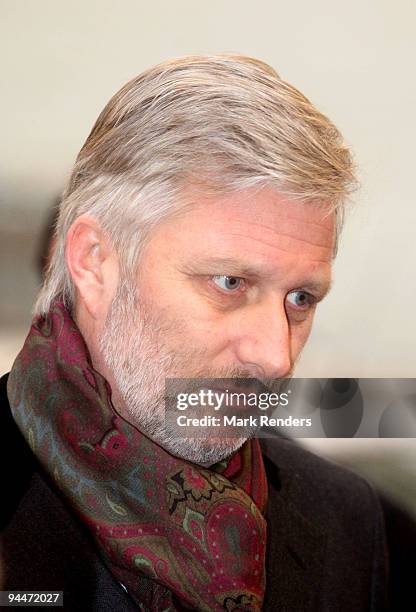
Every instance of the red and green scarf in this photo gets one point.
(178, 536)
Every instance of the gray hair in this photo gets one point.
(223, 123)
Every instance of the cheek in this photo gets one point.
(195, 339)
(186, 314)
(299, 334)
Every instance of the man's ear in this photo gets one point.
(93, 264)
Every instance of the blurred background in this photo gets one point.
(62, 61)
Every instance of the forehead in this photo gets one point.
(252, 232)
(251, 216)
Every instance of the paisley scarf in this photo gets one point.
(178, 536)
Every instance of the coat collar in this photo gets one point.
(296, 546)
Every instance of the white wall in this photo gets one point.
(61, 62)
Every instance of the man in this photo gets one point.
(195, 240)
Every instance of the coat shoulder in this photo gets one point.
(342, 541)
(316, 483)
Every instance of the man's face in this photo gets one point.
(228, 288)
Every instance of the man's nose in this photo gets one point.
(263, 341)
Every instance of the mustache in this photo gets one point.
(244, 378)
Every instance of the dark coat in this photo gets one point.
(326, 535)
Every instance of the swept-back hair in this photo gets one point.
(223, 122)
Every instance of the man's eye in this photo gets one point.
(300, 299)
(228, 283)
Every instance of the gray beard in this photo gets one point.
(133, 349)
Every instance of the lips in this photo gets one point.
(236, 403)
(240, 385)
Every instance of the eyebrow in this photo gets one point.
(214, 265)
(217, 265)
